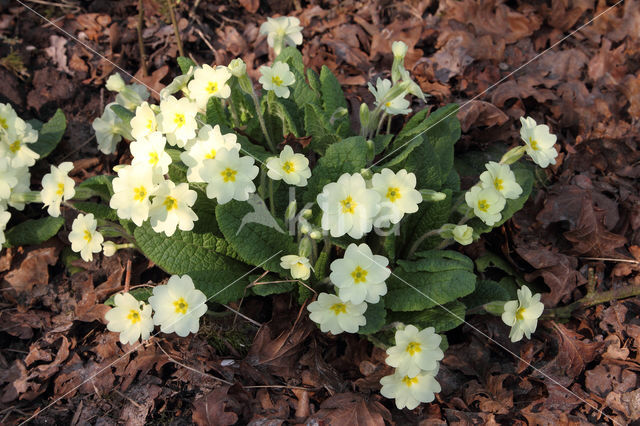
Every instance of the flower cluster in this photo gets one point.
(16, 156)
(176, 307)
(416, 357)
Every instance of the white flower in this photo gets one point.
(336, 316)
(500, 177)
(487, 203)
(207, 82)
(522, 314)
(107, 130)
(130, 317)
(7, 117)
(84, 238)
(348, 206)
(280, 31)
(132, 189)
(15, 141)
(237, 67)
(171, 208)
(397, 105)
(398, 194)
(4, 218)
(8, 179)
(177, 120)
(144, 122)
(539, 142)
(57, 187)
(415, 350)
(299, 265)
(149, 151)
(408, 391)
(24, 180)
(204, 147)
(109, 248)
(463, 234)
(290, 167)
(399, 49)
(229, 176)
(178, 306)
(277, 78)
(360, 275)
(115, 83)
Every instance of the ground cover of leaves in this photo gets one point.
(586, 209)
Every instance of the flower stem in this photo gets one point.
(263, 125)
(419, 241)
(143, 63)
(564, 312)
(172, 15)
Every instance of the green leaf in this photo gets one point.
(271, 287)
(347, 156)
(438, 277)
(444, 318)
(99, 211)
(177, 169)
(380, 143)
(320, 268)
(332, 94)
(314, 81)
(185, 64)
(216, 114)
(142, 294)
(287, 112)
(486, 291)
(376, 315)
(257, 244)
(50, 134)
(122, 113)
(301, 93)
(101, 186)
(291, 56)
(318, 127)
(202, 256)
(431, 215)
(33, 231)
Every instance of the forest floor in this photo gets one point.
(499, 60)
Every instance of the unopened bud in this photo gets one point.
(237, 67)
(307, 213)
(315, 234)
(431, 195)
(109, 248)
(304, 249)
(513, 155)
(115, 83)
(290, 212)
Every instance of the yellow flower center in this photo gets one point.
(483, 205)
(499, 184)
(170, 203)
(181, 306)
(393, 194)
(339, 308)
(387, 104)
(409, 381)
(229, 175)
(413, 348)
(60, 190)
(139, 193)
(211, 155)
(212, 87)
(150, 124)
(134, 316)
(359, 275)
(288, 167)
(87, 236)
(3, 123)
(534, 144)
(153, 158)
(276, 80)
(179, 120)
(348, 205)
(520, 314)
(15, 146)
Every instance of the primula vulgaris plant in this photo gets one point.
(361, 224)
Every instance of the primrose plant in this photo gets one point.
(230, 178)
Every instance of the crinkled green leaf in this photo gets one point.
(33, 231)
(216, 114)
(185, 64)
(291, 56)
(257, 244)
(376, 315)
(332, 94)
(50, 134)
(486, 291)
(431, 215)
(205, 257)
(444, 318)
(122, 113)
(99, 211)
(318, 127)
(142, 294)
(101, 186)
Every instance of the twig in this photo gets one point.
(593, 299)
(191, 368)
(172, 15)
(128, 398)
(205, 40)
(252, 321)
(127, 277)
(143, 63)
(610, 259)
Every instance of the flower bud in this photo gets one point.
(304, 249)
(431, 195)
(365, 116)
(305, 228)
(513, 155)
(237, 67)
(315, 234)
(109, 248)
(463, 234)
(115, 83)
(399, 49)
(307, 213)
(290, 212)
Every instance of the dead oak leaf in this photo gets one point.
(350, 409)
(33, 270)
(210, 410)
